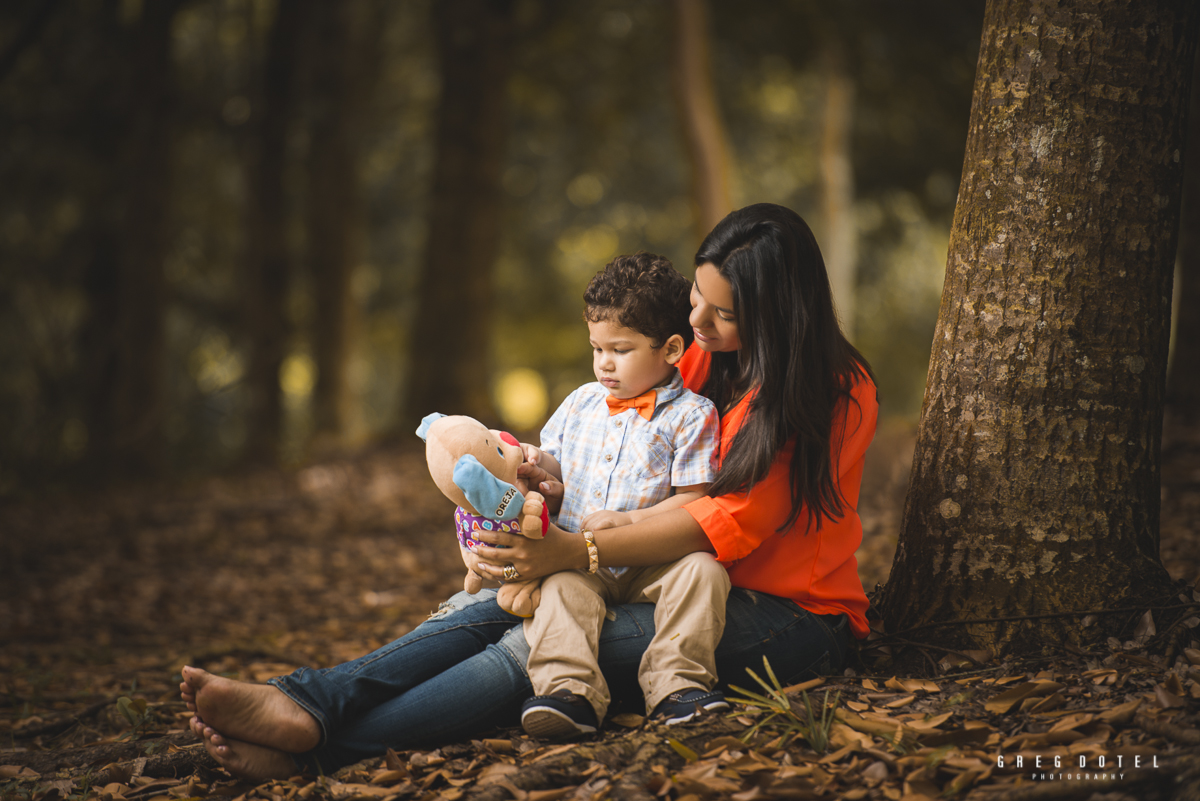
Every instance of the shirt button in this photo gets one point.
(597, 494)
(608, 457)
(618, 424)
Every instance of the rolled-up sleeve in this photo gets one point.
(737, 524)
(814, 567)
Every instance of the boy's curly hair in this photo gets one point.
(643, 292)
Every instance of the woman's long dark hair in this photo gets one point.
(792, 351)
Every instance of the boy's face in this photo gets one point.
(626, 362)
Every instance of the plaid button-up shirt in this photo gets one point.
(623, 462)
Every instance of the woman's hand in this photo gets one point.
(605, 519)
(558, 550)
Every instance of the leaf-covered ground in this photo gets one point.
(104, 596)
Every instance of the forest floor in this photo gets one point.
(104, 596)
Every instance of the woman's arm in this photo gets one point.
(682, 497)
(655, 540)
(607, 519)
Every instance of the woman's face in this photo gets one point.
(712, 317)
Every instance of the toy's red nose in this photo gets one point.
(509, 438)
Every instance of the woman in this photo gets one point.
(798, 410)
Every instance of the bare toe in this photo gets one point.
(251, 761)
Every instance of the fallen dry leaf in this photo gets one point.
(1073, 721)
(930, 723)
(1166, 699)
(628, 720)
(1000, 704)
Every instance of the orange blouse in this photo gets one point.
(816, 569)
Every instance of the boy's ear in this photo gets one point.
(673, 349)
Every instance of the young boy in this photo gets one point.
(635, 442)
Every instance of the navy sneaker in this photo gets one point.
(682, 706)
(558, 716)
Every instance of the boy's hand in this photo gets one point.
(532, 453)
(544, 482)
(605, 519)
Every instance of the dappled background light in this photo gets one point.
(594, 165)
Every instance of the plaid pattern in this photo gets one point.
(623, 462)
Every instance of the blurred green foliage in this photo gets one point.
(595, 167)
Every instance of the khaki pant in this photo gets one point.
(689, 617)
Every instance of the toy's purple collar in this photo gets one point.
(466, 524)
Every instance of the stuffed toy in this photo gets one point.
(476, 468)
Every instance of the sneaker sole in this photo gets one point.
(547, 723)
(711, 707)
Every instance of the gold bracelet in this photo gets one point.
(589, 539)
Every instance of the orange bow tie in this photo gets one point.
(643, 404)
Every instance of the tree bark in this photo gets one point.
(837, 185)
(450, 364)
(269, 258)
(707, 143)
(1035, 483)
(1183, 383)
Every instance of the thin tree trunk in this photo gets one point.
(1035, 483)
(839, 245)
(707, 143)
(270, 262)
(340, 91)
(97, 341)
(451, 364)
(139, 388)
(1183, 383)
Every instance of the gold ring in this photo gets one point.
(510, 573)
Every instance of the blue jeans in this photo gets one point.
(461, 673)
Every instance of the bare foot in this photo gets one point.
(247, 714)
(251, 761)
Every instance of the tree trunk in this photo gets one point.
(138, 386)
(269, 259)
(340, 90)
(97, 342)
(837, 185)
(1035, 483)
(707, 144)
(1183, 383)
(451, 365)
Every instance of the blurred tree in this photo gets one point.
(910, 67)
(345, 64)
(1035, 484)
(126, 282)
(270, 262)
(707, 144)
(1183, 382)
(592, 164)
(451, 362)
(31, 28)
(837, 182)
